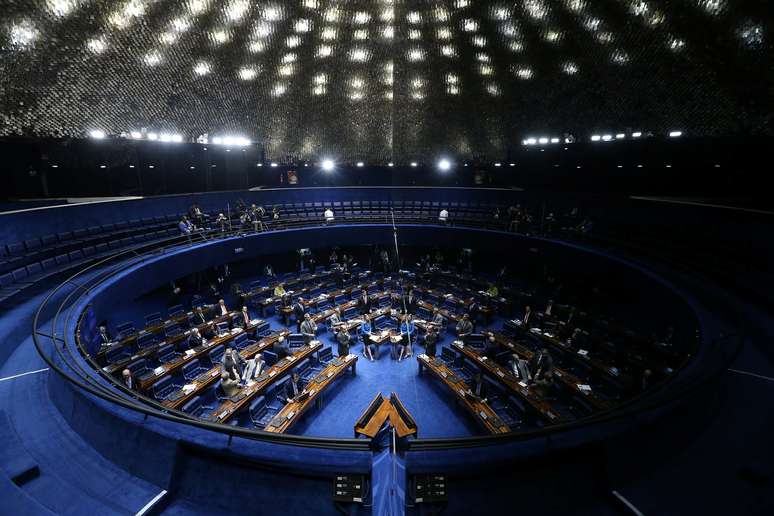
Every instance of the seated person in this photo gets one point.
(308, 329)
(279, 290)
(443, 216)
(370, 350)
(519, 368)
(255, 367)
(127, 379)
(269, 270)
(244, 318)
(540, 364)
(493, 290)
(222, 310)
(546, 385)
(232, 363)
(344, 340)
(195, 339)
(431, 340)
(104, 336)
(230, 384)
(199, 317)
(282, 347)
(328, 215)
(439, 319)
(293, 387)
(464, 327)
(185, 226)
(335, 319)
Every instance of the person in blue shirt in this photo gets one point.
(369, 347)
(407, 331)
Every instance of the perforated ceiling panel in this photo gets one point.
(384, 80)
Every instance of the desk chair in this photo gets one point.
(164, 387)
(193, 369)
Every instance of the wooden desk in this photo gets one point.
(610, 371)
(449, 316)
(149, 330)
(151, 350)
(568, 379)
(246, 394)
(203, 381)
(293, 411)
(522, 389)
(479, 409)
(379, 411)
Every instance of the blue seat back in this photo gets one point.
(270, 358)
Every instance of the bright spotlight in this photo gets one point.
(554, 140)
(620, 136)
(498, 164)
(607, 137)
(327, 165)
(390, 164)
(444, 164)
(414, 164)
(543, 140)
(360, 164)
(136, 135)
(153, 136)
(531, 141)
(596, 138)
(97, 134)
(675, 134)
(637, 134)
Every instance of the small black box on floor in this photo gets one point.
(349, 488)
(430, 489)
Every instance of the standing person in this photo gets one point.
(370, 349)
(308, 329)
(299, 311)
(431, 340)
(344, 340)
(464, 327)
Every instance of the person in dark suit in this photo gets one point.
(244, 318)
(364, 303)
(293, 387)
(431, 340)
(344, 339)
(233, 364)
(299, 311)
(222, 310)
(335, 318)
(478, 387)
(526, 321)
(195, 339)
(308, 329)
(282, 347)
(464, 327)
(104, 336)
(128, 379)
(198, 316)
(409, 302)
(540, 364)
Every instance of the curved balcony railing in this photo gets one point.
(65, 355)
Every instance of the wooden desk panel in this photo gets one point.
(568, 379)
(477, 408)
(242, 400)
(293, 411)
(209, 378)
(523, 390)
(150, 351)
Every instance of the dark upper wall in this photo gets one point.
(34, 168)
